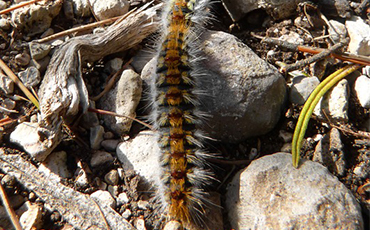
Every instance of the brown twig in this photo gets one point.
(9, 209)
(100, 111)
(111, 81)
(18, 6)
(84, 27)
(319, 53)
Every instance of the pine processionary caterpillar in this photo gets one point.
(175, 98)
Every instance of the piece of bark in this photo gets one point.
(78, 209)
(63, 92)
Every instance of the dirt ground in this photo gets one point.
(256, 22)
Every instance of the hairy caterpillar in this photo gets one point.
(175, 98)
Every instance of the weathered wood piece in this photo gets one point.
(78, 209)
(63, 92)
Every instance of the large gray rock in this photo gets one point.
(244, 94)
(122, 99)
(271, 194)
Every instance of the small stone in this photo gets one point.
(101, 185)
(31, 196)
(108, 135)
(96, 136)
(173, 225)
(307, 198)
(122, 99)
(30, 77)
(109, 8)
(104, 197)
(112, 177)
(127, 214)
(337, 30)
(336, 8)
(114, 65)
(22, 59)
(361, 87)
(35, 145)
(139, 223)
(36, 18)
(292, 37)
(301, 88)
(8, 180)
(56, 163)
(9, 103)
(4, 24)
(81, 8)
(330, 152)
(286, 148)
(110, 145)
(286, 136)
(143, 204)
(101, 158)
(39, 50)
(32, 218)
(120, 173)
(334, 103)
(41, 64)
(6, 84)
(360, 170)
(141, 155)
(122, 199)
(3, 5)
(359, 33)
(82, 180)
(68, 9)
(113, 190)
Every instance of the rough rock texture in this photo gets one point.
(30, 77)
(334, 103)
(36, 18)
(271, 194)
(122, 99)
(34, 145)
(361, 87)
(6, 84)
(55, 164)
(278, 9)
(141, 155)
(109, 8)
(32, 218)
(81, 8)
(301, 89)
(330, 152)
(244, 94)
(359, 32)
